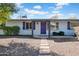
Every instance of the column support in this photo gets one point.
(32, 28)
(48, 29)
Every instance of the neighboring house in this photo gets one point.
(42, 27)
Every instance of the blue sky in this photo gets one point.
(48, 10)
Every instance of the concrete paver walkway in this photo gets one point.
(44, 47)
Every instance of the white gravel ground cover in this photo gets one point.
(19, 47)
(65, 48)
(30, 47)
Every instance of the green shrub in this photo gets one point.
(75, 35)
(55, 34)
(2, 25)
(61, 33)
(14, 30)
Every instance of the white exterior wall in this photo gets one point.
(37, 31)
(20, 24)
(37, 28)
(63, 27)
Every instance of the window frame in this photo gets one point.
(23, 25)
(68, 25)
(57, 25)
(28, 25)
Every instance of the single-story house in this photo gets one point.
(43, 27)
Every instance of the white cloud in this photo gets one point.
(55, 11)
(37, 7)
(60, 5)
(56, 16)
(72, 15)
(14, 16)
(35, 12)
(19, 5)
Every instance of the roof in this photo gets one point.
(44, 20)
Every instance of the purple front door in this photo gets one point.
(43, 27)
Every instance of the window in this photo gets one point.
(28, 25)
(68, 26)
(23, 25)
(57, 25)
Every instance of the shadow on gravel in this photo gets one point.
(55, 54)
(50, 54)
(18, 49)
(19, 36)
(65, 39)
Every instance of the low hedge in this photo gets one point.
(75, 35)
(55, 34)
(61, 33)
(14, 30)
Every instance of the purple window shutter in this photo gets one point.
(33, 25)
(23, 25)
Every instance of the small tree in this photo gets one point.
(6, 10)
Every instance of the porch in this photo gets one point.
(53, 37)
(50, 27)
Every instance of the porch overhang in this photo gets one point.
(44, 20)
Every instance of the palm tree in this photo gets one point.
(6, 9)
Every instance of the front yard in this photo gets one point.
(65, 48)
(30, 47)
(19, 47)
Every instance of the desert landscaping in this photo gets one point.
(16, 46)
(39, 29)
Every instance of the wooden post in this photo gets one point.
(32, 28)
(48, 29)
